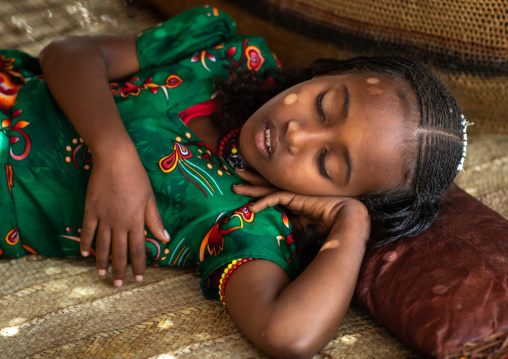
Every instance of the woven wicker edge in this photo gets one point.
(494, 346)
(360, 41)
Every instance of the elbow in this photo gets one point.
(52, 51)
(294, 343)
(67, 50)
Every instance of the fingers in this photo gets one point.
(119, 257)
(102, 249)
(87, 233)
(277, 198)
(137, 253)
(153, 221)
(252, 178)
(253, 191)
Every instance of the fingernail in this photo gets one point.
(118, 282)
(239, 169)
(85, 253)
(102, 272)
(167, 235)
(237, 185)
(138, 278)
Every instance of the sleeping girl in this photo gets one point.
(189, 146)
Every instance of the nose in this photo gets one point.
(299, 138)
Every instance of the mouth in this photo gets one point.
(267, 140)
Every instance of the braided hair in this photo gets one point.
(396, 213)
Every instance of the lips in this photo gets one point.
(265, 140)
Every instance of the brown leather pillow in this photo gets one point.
(447, 286)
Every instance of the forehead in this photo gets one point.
(382, 123)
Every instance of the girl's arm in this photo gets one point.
(297, 319)
(119, 200)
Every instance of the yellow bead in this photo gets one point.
(230, 266)
(226, 270)
(221, 280)
(234, 262)
(234, 151)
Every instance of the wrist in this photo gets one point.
(351, 227)
(112, 147)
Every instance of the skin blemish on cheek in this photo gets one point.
(372, 80)
(374, 90)
(290, 99)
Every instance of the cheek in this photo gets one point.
(374, 90)
(291, 176)
(290, 99)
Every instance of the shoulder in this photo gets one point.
(242, 234)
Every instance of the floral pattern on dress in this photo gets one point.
(17, 133)
(78, 153)
(128, 88)
(213, 243)
(10, 83)
(179, 158)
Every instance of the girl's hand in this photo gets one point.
(258, 186)
(320, 211)
(119, 202)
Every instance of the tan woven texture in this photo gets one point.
(62, 309)
(474, 31)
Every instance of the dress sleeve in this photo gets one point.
(243, 235)
(182, 35)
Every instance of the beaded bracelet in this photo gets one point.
(231, 267)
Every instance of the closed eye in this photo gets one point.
(322, 167)
(320, 106)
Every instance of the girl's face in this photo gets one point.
(332, 135)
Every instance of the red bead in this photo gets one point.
(226, 138)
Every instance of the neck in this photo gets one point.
(205, 129)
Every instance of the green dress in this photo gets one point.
(45, 165)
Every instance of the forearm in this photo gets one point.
(311, 308)
(119, 197)
(77, 71)
(297, 319)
